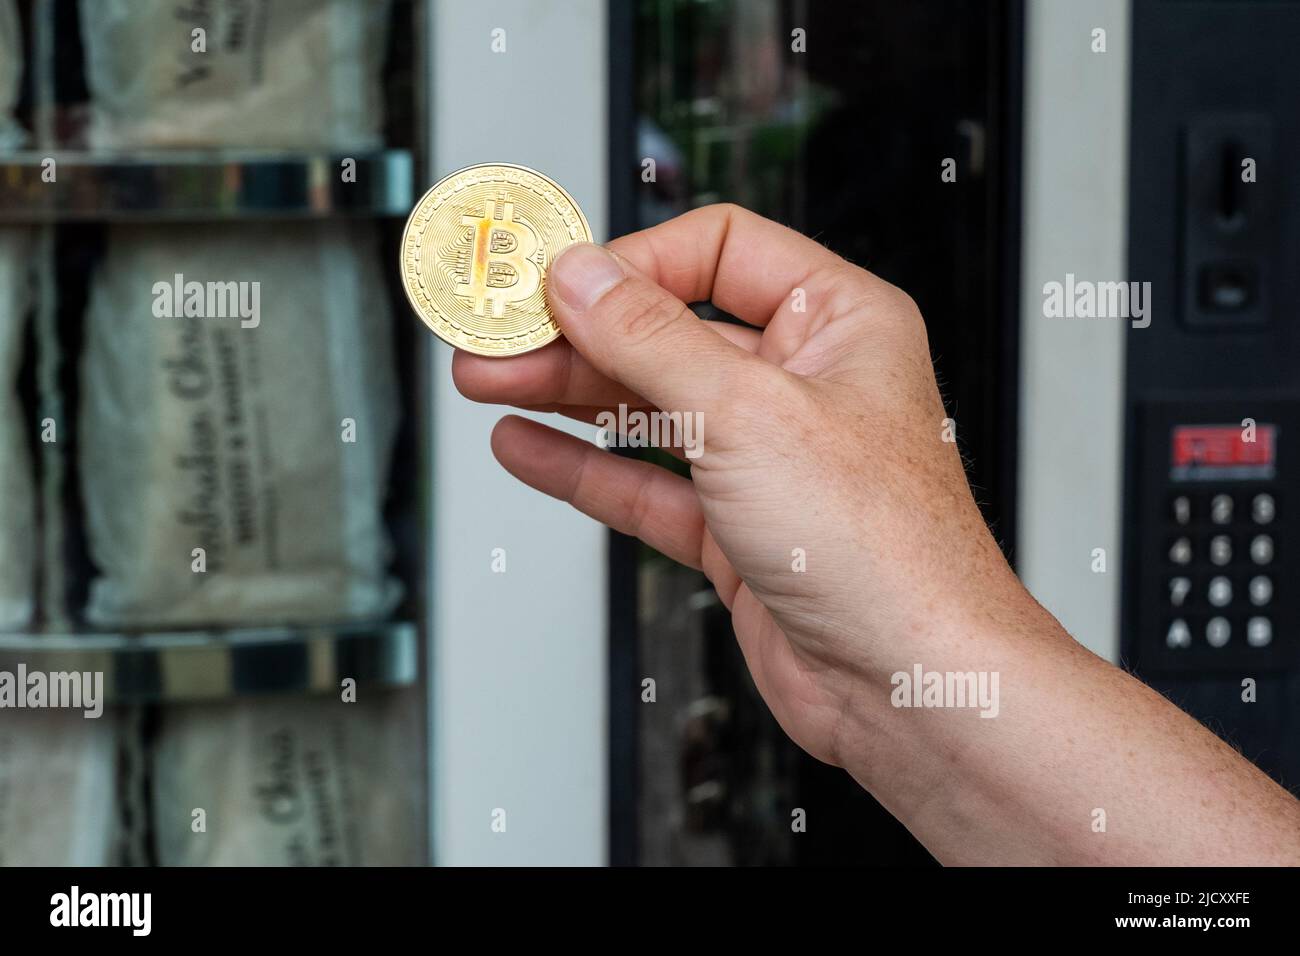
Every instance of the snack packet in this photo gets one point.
(285, 781)
(11, 74)
(17, 498)
(58, 796)
(288, 74)
(234, 462)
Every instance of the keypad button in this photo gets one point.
(1180, 552)
(1218, 631)
(1179, 634)
(1181, 507)
(1179, 588)
(1221, 509)
(1261, 549)
(1263, 509)
(1220, 591)
(1220, 549)
(1261, 590)
(1259, 632)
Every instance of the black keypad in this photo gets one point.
(1220, 553)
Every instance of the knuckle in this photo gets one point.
(720, 210)
(902, 304)
(578, 483)
(640, 503)
(902, 312)
(720, 217)
(856, 289)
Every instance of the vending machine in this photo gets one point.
(284, 606)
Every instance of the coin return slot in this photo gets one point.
(1228, 287)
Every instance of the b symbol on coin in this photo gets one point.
(502, 269)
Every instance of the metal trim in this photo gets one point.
(167, 667)
(202, 186)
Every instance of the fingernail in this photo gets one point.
(583, 273)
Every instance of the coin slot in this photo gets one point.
(1228, 200)
(1231, 215)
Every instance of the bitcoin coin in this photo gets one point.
(475, 253)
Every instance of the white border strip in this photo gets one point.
(518, 717)
(1072, 370)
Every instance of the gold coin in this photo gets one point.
(475, 253)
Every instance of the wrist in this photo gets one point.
(937, 682)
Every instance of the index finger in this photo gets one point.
(742, 263)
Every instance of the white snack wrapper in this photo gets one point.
(287, 74)
(18, 544)
(290, 782)
(58, 795)
(234, 469)
(11, 74)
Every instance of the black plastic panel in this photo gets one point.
(1215, 228)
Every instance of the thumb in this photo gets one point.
(638, 334)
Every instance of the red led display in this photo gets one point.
(1223, 450)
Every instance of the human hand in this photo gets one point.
(822, 431)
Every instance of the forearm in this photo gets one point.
(1082, 764)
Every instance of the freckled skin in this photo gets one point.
(823, 431)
